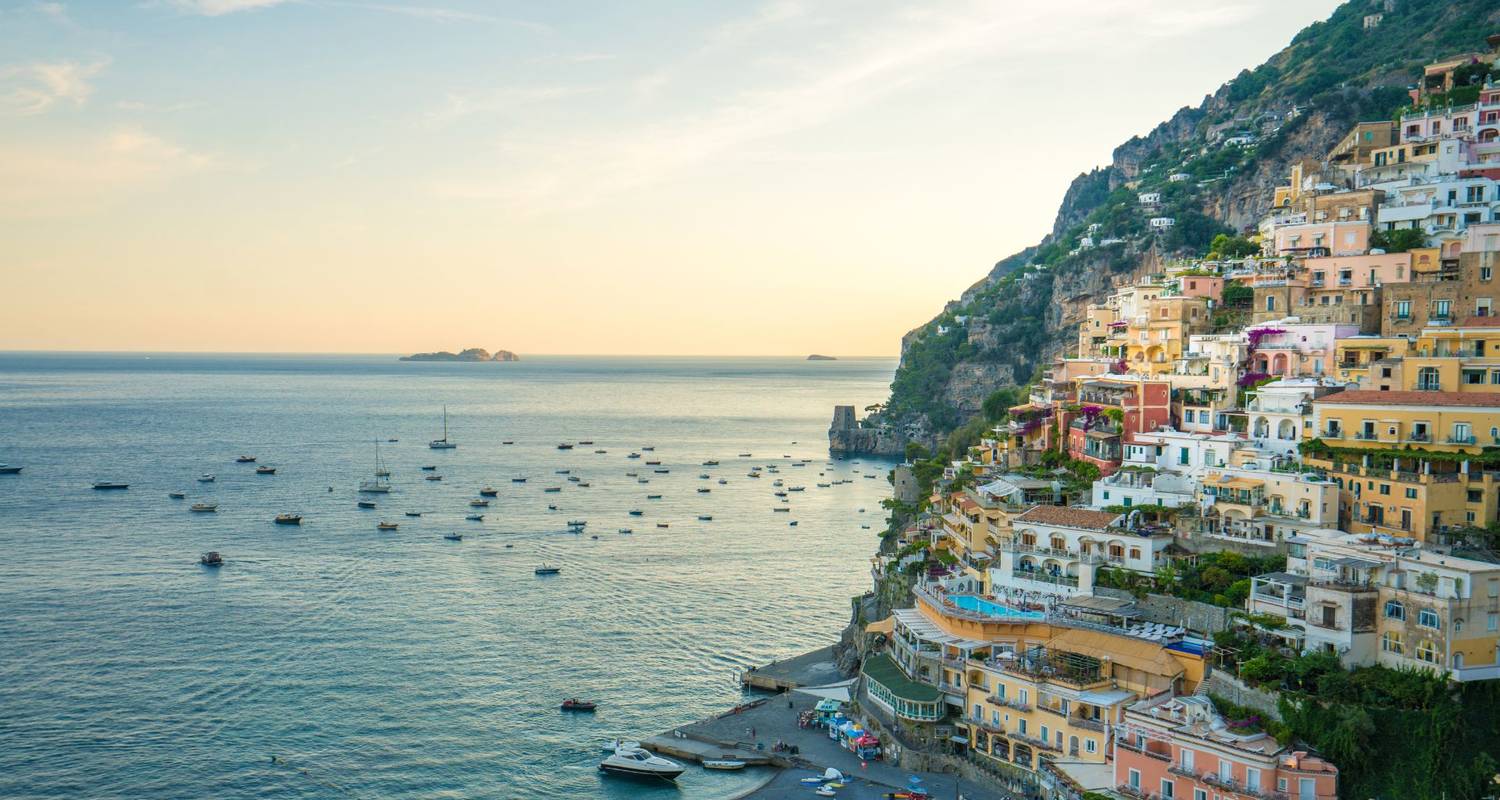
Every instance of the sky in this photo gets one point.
(728, 178)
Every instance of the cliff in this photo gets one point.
(1214, 164)
(471, 354)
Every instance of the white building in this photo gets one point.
(1280, 414)
(1056, 550)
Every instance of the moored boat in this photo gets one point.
(546, 569)
(386, 526)
(266, 471)
(475, 518)
(443, 443)
(453, 537)
(479, 503)
(205, 508)
(433, 477)
(177, 495)
(211, 559)
(413, 513)
(288, 519)
(723, 764)
(9, 469)
(574, 704)
(488, 492)
(245, 460)
(206, 478)
(640, 763)
(365, 504)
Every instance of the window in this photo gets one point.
(1252, 779)
(1462, 433)
(1270, 303)
(1403, 309)
(1182, 455)
(1492, 622)
(1484, 273)
(1187, 760)
(1411, 494)
(1134, 779)
(1045, 735)
(1021, 727)
(1440, 309)
(1390, 642)
(1427, 651)
(1385, 488)
(1428, 618)
(1168, 789)
(1089, 746)
(1199, 794)
(1000, 690)
(1395, 610)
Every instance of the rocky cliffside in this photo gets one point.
(471, 354)
(1215, 165)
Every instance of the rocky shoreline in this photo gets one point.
(471, 354)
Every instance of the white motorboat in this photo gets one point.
(638, 762)
(723, 763)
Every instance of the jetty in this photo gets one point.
(809, 669)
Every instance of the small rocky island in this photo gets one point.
(816, 357)
(471, 354)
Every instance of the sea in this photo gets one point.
(332, 659)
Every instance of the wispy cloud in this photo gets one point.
(64, 176)
(36, 88)
(460, 105)
(218, 8)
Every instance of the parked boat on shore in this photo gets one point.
(640, 763)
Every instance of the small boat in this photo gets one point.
(825, 791)
(861, 511)
(710, 463)
(793, 523)
(393, 441)
(589, 442)
(553, 489)
(479, 503)
(211, 559)
(413, 513)
(636, 512)
(583, 484)
(508, 441)
(245, 460)
(488, 492)
(177, 495)
(642, 480)
(648, 448)
(9, 469)
(752, 474)
(632, 474)
(206, 478)
(781, 509)
(703, 476)
(779, 494)
(551, 506)
(574, 704)
(443, 443)
(578, 524)
(205, 508)
(723, 763)
(777, 482)
(624, 531)
(429, 468)
(744, 455)
(546, 570)
(386, 526)
(433, 477)
(517, 480)
(653, 497)
(796, 488)
(561, 471)
(453, 537)
(640, 763)
(288, 519)
(704, 490)
(723, 482)
(595, 536)
(662, 471)
(653, 463)
(662, 525)
(565, 446)
(379, 485)
(271, 471)
(574, 479)
(366, 504)
(475, 517)
(634, 455)
(824, 485)
(509, 546)
(600, 452)
(706, 517)
(864, 527)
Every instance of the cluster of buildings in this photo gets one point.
(1348, 419)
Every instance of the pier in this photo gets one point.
(809, 669)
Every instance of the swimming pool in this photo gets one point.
(969, 602)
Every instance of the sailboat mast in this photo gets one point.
(445, 422)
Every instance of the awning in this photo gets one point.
(928, 631)
(1241, 483)
(885, 626)
(832, 691)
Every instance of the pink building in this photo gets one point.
(1210, 286)
(1300, 350)
(1358, 272)
(1179, 748)
(1339, 238)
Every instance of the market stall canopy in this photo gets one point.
(832, 691)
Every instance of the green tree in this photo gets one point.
(1398, 241)
(1226, 246)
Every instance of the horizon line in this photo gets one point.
(803, 356)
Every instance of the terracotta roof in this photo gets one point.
(1069, 517)
(1371, 397)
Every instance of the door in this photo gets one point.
(1307, 789)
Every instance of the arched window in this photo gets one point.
(1394, 610)
(1427, 651)
(1428, 618)
(1428, 380)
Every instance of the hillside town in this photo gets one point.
(1274, 465)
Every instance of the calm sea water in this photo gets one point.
(398, 664)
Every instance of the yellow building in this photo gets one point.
(1155, 339)
(1355, 358)
(1398, 458)
(1443, 359)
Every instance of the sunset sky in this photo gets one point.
(559, 177)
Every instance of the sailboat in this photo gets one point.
(379, 485)
(443, 443)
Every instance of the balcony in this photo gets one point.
(1334, 434)
(1366, 436)
(1041, 577)
(1419, 437)
(982, 724)
(1461, 440)
(1010, 703)
(1143, 750)
(1054, 711)
(1087, 724)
